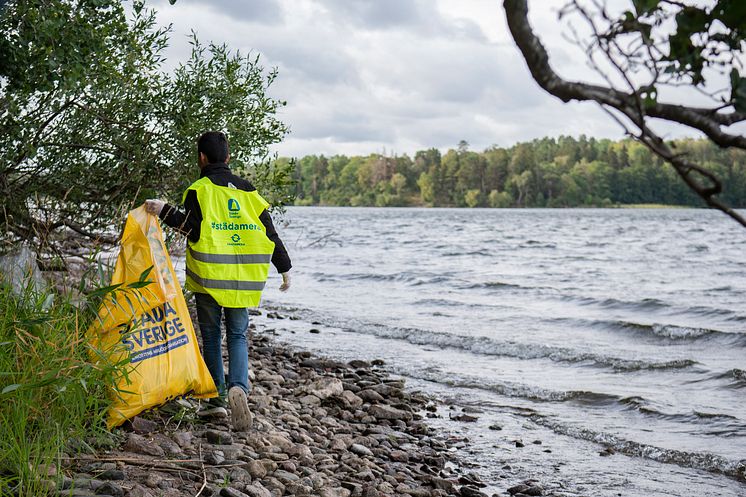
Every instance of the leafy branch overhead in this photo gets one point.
(640, 58)
(92, 123)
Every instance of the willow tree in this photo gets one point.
(643, 54)
(91, 122)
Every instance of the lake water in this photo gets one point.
(620, 332)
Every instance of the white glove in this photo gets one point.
(154, 206)
(285, 282)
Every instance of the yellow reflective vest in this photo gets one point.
(230, 261)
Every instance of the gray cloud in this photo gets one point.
(400, 75)
(252, 11)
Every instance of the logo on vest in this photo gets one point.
(236, 238)
(233, 208)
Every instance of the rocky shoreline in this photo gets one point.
(321, 427)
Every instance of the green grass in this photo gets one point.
(52, 396)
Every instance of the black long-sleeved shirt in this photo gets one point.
(190, 221)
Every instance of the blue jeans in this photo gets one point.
(236, 324)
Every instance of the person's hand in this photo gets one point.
(154, 206)
(285, 282)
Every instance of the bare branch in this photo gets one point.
(706, 120)
(700, 180)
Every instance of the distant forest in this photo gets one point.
(548, 172)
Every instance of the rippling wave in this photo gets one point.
(519, 350)
(697, 460)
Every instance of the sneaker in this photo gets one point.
(218, 401)
(212, 412)
(240, 415)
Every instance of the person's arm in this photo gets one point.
(188, 222)
(280, 257)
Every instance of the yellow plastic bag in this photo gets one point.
(148, 326)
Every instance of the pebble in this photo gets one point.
(361, 450)
(386, 412)
(107, 488)
(218, 437)
(471, 492)
(256, 489)
(465, 418)
(183, 438)
(231, 492)
(144, 426)
(140, 445)
(112, 474)
(322, 428)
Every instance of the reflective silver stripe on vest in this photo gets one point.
(231, 258)
(226, 284)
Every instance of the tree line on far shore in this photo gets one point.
(547, 172)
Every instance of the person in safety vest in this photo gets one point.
(231, 241)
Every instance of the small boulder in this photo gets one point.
(386, 412)
(361, 450)
(351, 400)
(218, 437)
(370, 396)
(143, 426)
(325, 387)
(256, 489)
(140, 445)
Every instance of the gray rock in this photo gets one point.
(169, 447)
(471, 492)
(334, 492)
(534, 491)
(143, 426)
(518, 489)
(361, 450)
(153, 480)
(325, 387)
(256, 489)
(111, 474)
(231, 492)
(218, 437)
(239, 474)
(350, 399)
(369, 395)
(399, 456)
(138, 490)
(140, 445)
(183, 438)
(413, 491)
(256, 469)
(442, 484)
(214, 458)
(386, 412)
(310, 400)
(358, 364)
(107, 488)
(285, 476)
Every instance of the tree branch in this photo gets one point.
(706, 120)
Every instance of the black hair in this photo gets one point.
(214, 145)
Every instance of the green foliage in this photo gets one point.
(563, 172)
(91, 123)
(51, 393)
(707, 34)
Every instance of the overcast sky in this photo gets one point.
(396, 76)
